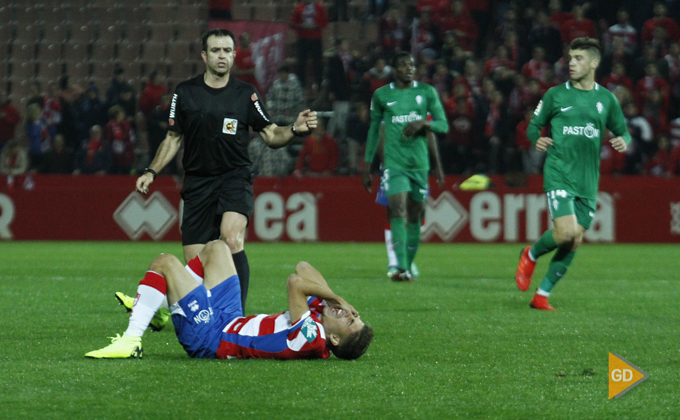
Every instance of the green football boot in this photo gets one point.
(159, 319)
(125, 347)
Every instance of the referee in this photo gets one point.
(212, 113)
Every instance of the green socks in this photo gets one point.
(558, 267)
(412, 242)
(399, 239)
(543, 245)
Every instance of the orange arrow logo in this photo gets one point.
(623, 376)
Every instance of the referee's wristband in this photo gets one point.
(151, 171)
(297, 133)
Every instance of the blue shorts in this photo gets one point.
(202, 316)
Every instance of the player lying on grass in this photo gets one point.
(209, 322)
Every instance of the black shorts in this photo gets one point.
(207, 198)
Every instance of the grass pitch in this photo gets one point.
(461, 342)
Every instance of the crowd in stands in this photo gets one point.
(491, 63)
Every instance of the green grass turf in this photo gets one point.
(459, 343)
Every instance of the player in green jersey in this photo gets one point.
(578, 112)
(403, 106)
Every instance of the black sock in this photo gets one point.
(243, 271)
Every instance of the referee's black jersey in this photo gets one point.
(214, 123)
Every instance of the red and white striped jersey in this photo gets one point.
(275, 336)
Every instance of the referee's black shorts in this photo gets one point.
(207, 198)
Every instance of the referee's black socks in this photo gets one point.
(243, 271)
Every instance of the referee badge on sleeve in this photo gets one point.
(229, 126)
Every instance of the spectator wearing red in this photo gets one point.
(308, 19)
(659, 163)
(319, 154)
(611, 161)
(617, 78)
(471, 78)
(9, 119)
(460, 22)
(151, 95)
(426, 34)
(577, 27)
(378, 76)
(461, 114)
(460, 90)
(499, 59)
(652, 81)
(516, 52)
(497, 134)
(391, 32)
(532, 159)
(557, 16)
(441, 79)
(656, 112)
(456, 150)
(13, 159)
(244, 65)
(660, 19)
(533, 94)
(119, 136)
(536, 67)
(622, 29)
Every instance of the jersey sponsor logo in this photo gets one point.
(193, 305)
(389, 103)
(566, 109)
(309, 329)
(538, 107)
(229, 126)
(589, 131)
(172, 107)
(600, 107)
(413, 116)
(253, 97)
(259, 109)
(203, 316)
